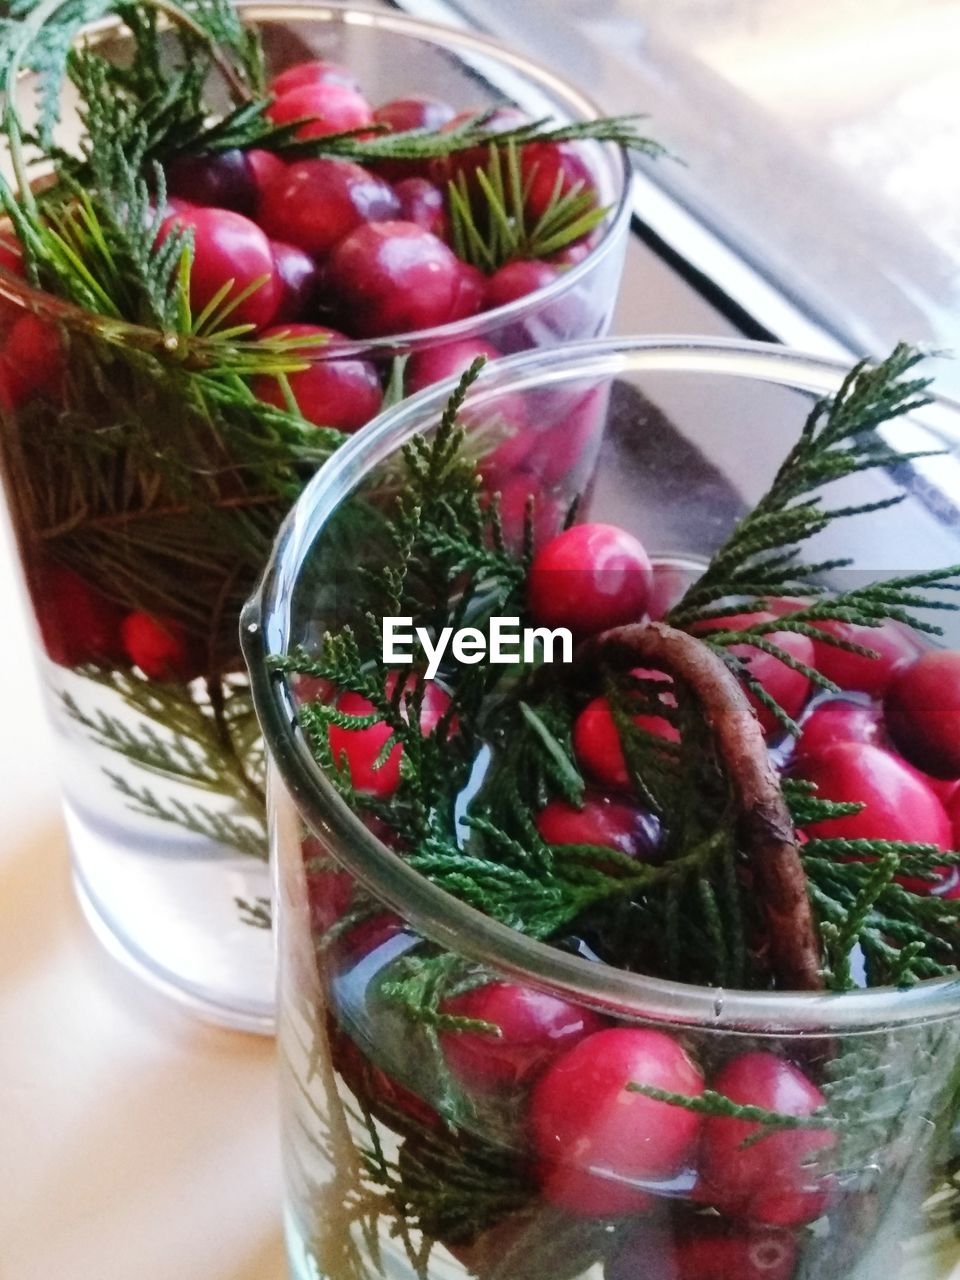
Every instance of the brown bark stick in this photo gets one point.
(765, 823)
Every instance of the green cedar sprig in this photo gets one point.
(690, 918)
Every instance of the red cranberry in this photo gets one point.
(265, 168)
(551, 167)
(299, 279)
(33, 359)
(773, 1180)
(516, 280)
(220, 178)
(394, 277)
(468, 161)
(422, 202)
(596, 739)
(897, 804)
(228, 247)
(435, 363)
(77, 623)
(159, 647)
(601, 821)
(838, 720)
(316, 72)
(312, 689)
(342, 393)
(534, 1028)
(326, 106)
(594, 1139)
(589, 578)
(403, 114)
(315, 203)
(788, 688)
(893, 643)
(360, 748)
(922, 710)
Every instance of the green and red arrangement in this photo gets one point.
(199, 303)
(746, 781)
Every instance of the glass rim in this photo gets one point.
(431, 910)
(580, 106)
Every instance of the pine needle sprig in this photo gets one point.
(490, 221)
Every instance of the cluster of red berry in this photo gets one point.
(595, 1146)
(365, 248)
(323, 249)
(79, 625)
(890, 741)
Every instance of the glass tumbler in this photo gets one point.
(402, 1161)
(162, 768)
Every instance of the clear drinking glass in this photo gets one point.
(163, 777)
(683, 435)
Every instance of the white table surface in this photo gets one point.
(136, 1143)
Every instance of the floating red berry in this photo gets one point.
(466, 163)
(77, 623)
(359, 749)
(220, 178)
(774, 1180)
(159, 647)
(554, 168)
(318, 71)
(32, 358)
(589, 578)
(449, 360)
(893, 644)
(342, 393)
(229, 247)
(422, 202)
(328, 107)
(601, 820)
(594, 1138)
(898, 805)
(596, 739)
(315, 203)
(394, 277)
(533, 1028)
(788, 688)
(516, 280)
(922, 710)
(265, 167)
(839, 720)
(299, 279)
(402, 114)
